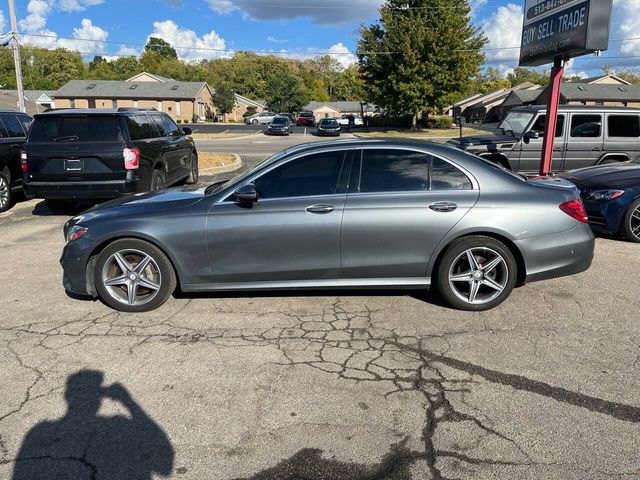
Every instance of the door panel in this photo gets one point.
(531, 153)
(585, 142)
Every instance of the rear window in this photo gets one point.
(626, 126)
(76, 129)
(141, 127)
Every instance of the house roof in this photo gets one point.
(467, 100)
(600, 92)
(126, 89)
(158, 78)
(247, 102)
(521, 97)
(599, 78)
(9, 99)
(342, 106)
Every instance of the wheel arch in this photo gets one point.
(517, 254)
(93, 257)
(619, 156)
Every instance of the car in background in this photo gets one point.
(611, 195)
(98, 154)
(328, 127)
(351, 121)
(305, 119)
(263, 118)
(280, 125)
(14, 127)
(327, 215)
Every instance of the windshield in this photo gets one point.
(216, 187)
(328, 123)
(76, 129)
(515, 123)
(279, 121)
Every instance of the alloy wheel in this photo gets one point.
(131, 277)
(478, 275)
(4, 193)
(634, 223)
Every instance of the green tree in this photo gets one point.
(489, 80)
(630, 76)
(224, 99)
(521, 75)
(419, 54)
(349, 85)
(284, 92)
(160, 46)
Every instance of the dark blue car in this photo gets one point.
(611, 195)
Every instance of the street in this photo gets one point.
(323, 385)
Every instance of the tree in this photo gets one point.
(283, 91)
(630, 76)
(521, 75)
(489, 81)
(419, 54)
(160, 46)
(224, 99)
(349, 85)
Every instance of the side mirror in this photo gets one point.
(187, 130)
(246, 194)
(530, 135)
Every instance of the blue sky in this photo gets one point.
(294, 28)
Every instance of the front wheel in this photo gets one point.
(631, 226)
(6, 196)
(132, 275)
(476, 273)
(255, 122)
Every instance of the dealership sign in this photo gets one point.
(565, 28)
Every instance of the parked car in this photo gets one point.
(326, 215)
(280, 125)
(263, 118)
(611, 194)
(328, 127)
(350, 121)
(305, 119)
(585, 136)
(76, 154)
(14, 127)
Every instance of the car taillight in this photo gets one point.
(131, 158)
(23, 161)
(575, 209)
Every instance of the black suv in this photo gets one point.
(77, 154)
(14, 127)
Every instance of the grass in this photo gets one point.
(207, 160)
(435, 133)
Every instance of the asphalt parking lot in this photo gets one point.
(331, 385)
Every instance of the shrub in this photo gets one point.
(439, 122)
(178, 121)
(390, 121)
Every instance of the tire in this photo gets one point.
(631, 222)
(457, 279)
(6, 195)
(193, 170)
(158, 180)
(255, 122)
(61, 206)
(131, 289)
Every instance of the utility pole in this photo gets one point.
(16, 56)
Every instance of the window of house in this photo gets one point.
(159, 106)
(586, 126)
(72, 103)
(135, 104)
(394, 171)
(627, 126)
(310, 175)
(178, 108)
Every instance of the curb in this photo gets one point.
(237, 163)
(226, 139)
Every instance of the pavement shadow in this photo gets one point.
(44, 209)
(85, 445)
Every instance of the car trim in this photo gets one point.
(88, 182)
(341, 283)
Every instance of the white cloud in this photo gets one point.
(91, 38)
(275, 40)
(503, 30)
(37, 18)
(206, 47)
(3, 22)
(627, 15)
(327, 12)
(77, 5)
(342, 54)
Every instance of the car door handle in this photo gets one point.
(320, 209)
(443, 207)
(595, 149)
(557, 149)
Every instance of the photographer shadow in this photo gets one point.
(83, 444)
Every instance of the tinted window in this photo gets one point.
(12, 125)
(161, 127)
(328, 123)
(586, 126)
(541, 123)
(76, 129)
(445, 176)
(311, 175)
(394, 171)
(172, 128)
(140, 127)
(26, 122)
(624, 126)
(3, 131)
(280, 121)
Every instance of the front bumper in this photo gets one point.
(277, 132)
(81, 190)
(77, 278)
(558, 255)
(606, 217)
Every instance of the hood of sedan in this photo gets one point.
(615, 176)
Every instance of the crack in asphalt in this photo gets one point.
(349, 344)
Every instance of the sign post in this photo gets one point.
(553, 32)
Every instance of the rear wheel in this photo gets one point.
(631, 226)
(255, 122)
(476, 273)
(132, 275)
(157, 180)
(6, 196)
(193, 169)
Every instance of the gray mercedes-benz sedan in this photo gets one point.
(346, 214)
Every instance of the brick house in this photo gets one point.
(181, 100)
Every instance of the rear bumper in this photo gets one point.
(558, 255)
(80, 190)
(74, 260)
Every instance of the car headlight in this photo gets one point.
(604, 195)
(76, 232)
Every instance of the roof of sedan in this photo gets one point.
(370, 142)
(95, 111)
